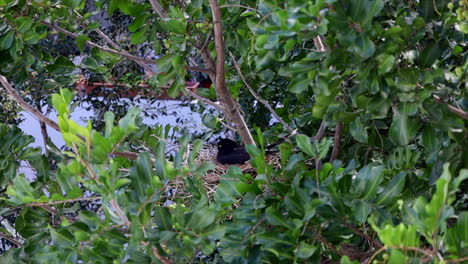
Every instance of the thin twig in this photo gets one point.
(457, 260)
(163, 259)
(365, 236)
(120, 212)
(252, 230)
(401, 248)
(93, 198)
(11, 239)
(205, 100)
(158, 8)
(458, 111)
(198, 69)
(142, 206)
(25, 105)
(94, 45)
(242, 6)
(115, 45)
(257, 97)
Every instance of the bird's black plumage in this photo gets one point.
(229, 152)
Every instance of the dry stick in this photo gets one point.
(158, 8)
(458, 111)
(120, 212)
(198, 69)
(456, 260)
(258, 98)
(232, 108)
(92, 198)
(337, 142)
(12, 240)
(401, 248)
(163, 259)
(205, 100)
(242, 6)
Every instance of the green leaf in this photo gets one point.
(139, 36)
(457, 236)
(73, 3)
(392, 190)
(385, 62)
(32, 37)
(362, 211)
(298, 85)
(6, 40)
(304, 250)
(23, 24)
(426, 9)
(61, 66)
(397, 236)
(403, 128)
(141, 175)
(303, 142)
(81, 42)
(162, 217)
(358, 131)
(429, 55)
(62, 238)
(201, 218)
(363, 46)
(274, 217)
(368, 181)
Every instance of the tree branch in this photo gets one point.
(94, 45)
(258, 98)
(116, 46)
(337, 143)
(92, 198)
(231, 106)
(198, 69)
(12, 240)
(161, 258)
(458, 111)
(158, 8)
(26, 106)
(205, 100)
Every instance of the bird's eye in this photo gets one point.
(219, 146)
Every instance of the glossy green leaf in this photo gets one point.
(403, 128)
(304, 250)
(6, 40)
(392, 190)
(304, 143)
(358, 131)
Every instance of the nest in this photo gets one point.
(211, 178)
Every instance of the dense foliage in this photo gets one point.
(383, 184)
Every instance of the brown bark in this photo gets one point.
(337, 142)
(231, 106)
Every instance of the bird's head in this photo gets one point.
(226, 145)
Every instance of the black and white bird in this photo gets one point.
(229, 152)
